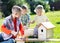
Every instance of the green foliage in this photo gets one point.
(1, 14)
(31, 3)
(45, 4)
(34, 3)
(47, 7)
(8, 5)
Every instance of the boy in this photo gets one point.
(40, 17)
(25, 18)
(12, 26)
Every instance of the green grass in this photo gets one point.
(1, 20)
(54, 17)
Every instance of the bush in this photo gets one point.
(33, 4)
(6, 6)
(47, 7)
(1, 14)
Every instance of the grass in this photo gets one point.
(1, 20)
(54, 17)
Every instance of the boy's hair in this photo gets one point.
(39, 7)
(24, 7)
(16, 8)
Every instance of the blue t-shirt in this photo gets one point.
(25, 19)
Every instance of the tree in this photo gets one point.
(34, 3)
(6, 6)
(54, 4)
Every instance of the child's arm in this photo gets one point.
(31, 22)
(47, 20)
(4, 27)
(38, 25)
(28, 20)
(7, 30)
(21, 29)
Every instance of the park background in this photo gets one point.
(52, 9)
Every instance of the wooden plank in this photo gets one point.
(34, 39)
(53, 39)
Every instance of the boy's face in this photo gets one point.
(17, 14)
(39, 11)
(24, 11)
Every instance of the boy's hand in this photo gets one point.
(14, 33)
(31, 22)
(25, 38)
(38, 25)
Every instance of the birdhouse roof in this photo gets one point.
(47, 25)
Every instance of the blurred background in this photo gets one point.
(52, 9)
(49, 5)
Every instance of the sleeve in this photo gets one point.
(28, 15)
(21, 29)
(4, 28)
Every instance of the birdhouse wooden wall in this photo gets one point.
(41, 33)
(49, 33)
(44, 32)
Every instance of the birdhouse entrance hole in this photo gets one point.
(41, 30)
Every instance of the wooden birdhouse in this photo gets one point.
(45, 30)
